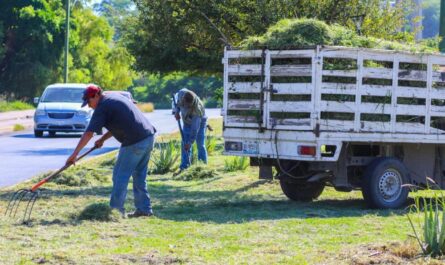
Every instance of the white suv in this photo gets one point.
(59, 110)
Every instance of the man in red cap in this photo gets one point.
(128, 125)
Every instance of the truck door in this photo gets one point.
(244, 99)
(290, 89)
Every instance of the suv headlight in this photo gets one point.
(40, 112)
(83, 113)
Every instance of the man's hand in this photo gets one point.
(177, 116)
(99, 143)
(71, 160)
(187, 147)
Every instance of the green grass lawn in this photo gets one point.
(14, 105)
(233, 218)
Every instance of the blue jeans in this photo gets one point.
(200, 143)
(132, 160)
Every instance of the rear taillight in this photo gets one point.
(306, 150)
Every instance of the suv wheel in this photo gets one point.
(38, 134)
(52, 134)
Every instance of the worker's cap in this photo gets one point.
(89, 92)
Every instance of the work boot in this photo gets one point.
(138, 213)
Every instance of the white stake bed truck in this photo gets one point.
(350, 118)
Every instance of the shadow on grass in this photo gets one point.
(226, 206)
(47, 194)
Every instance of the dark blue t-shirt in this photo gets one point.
(122, 118)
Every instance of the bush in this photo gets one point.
(100, 212)
(14, 105)
(197, 171)
(165, 157)
(236, 163)
(18, 127)
(146, 107)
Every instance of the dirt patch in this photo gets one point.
(394, 253)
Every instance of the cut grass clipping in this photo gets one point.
(100, 212)
(197, 171)
(80, 175)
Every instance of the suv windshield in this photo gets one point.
(73, 95)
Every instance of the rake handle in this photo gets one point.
(43, 181)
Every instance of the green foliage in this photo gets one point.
(18, 127)
(430, 233)
(211, 144)
(32, 34)
(31, 44)
(431, 15)
(190, 35)
(115, 11)
(236, 163)
(14, 105)
(93, 57)
(158, 88)
(196, 171)
(165, 156)
(100, 212)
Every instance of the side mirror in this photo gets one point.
(36, 100)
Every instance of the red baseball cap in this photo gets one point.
(90, 92)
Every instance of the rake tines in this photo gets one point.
(32, 194)
(19, 196)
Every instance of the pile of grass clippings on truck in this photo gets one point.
(300, 33)
(288, 34)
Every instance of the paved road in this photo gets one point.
(22, 156)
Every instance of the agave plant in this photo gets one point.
(165, 158)
(429, 226)
(210, 144)
(236, 163)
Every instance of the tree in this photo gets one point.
(31, 44)
(116, 11)
(190, 34)
(94, 58)
(431, 13)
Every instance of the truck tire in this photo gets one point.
(302, 191)
(382, 184)
(52, 134)
(38, 134)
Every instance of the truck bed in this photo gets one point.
(331, 95)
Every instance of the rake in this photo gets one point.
(31, 195)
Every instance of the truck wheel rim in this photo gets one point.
(390, 185)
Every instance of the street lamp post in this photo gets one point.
(67, 40)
